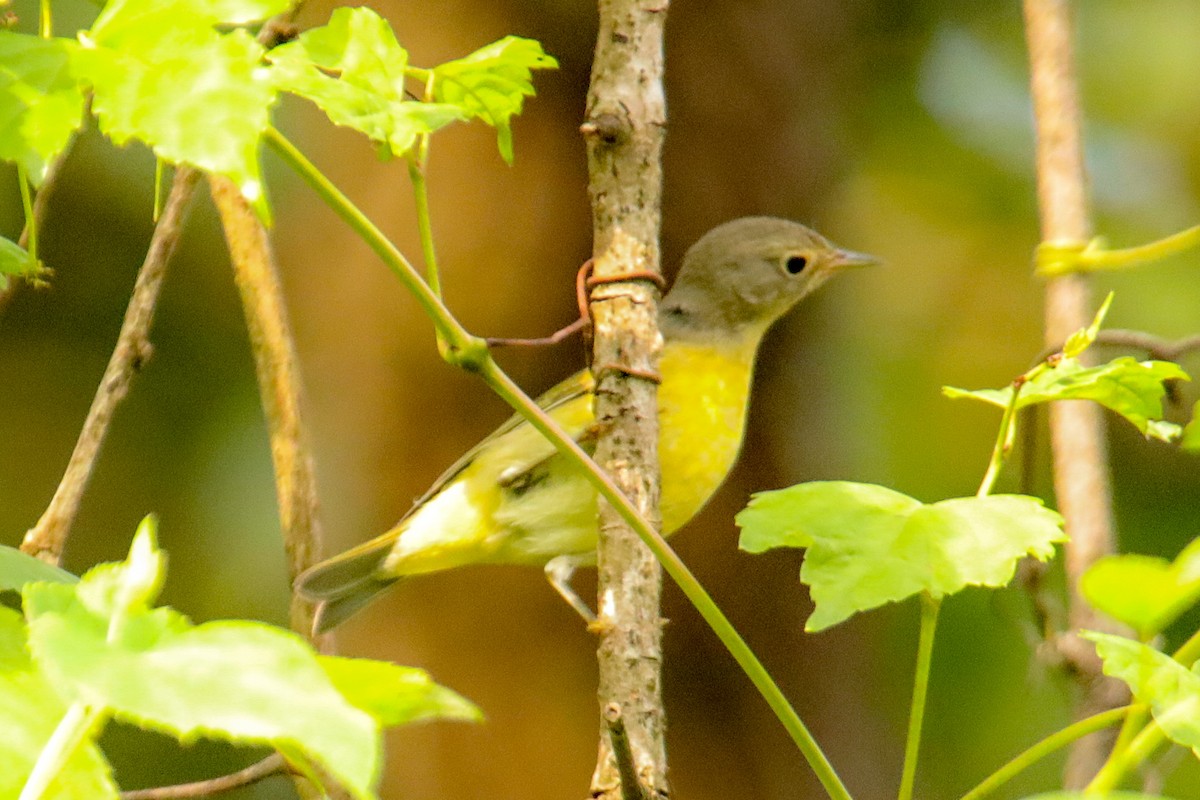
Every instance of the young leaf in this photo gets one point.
(18, 569)
(15, 260)
(1131, 388)
(41, 103)
(396, 695)
(162, 74)
(1171, 690)
(869, 545)
(491, 84)
(101, 645)
(359, 47)
(1083, 338)
(1144, 592)
(30, 710)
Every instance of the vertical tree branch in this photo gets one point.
(624, 130)
(1081, 479)
(278, 384)
(47, 538)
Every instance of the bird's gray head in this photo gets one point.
(743, 275)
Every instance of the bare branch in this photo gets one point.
(626, 116)
(278, 383)
(1081, 479)
(47, 538)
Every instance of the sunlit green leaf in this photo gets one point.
(353, 69)
(30, 710)
(41, 103)
(18, 569)
(1133, 389)
(492, 83)
(1145, 592)
(163, 75)
(112, 590)
(396, 695)
(101, 645)
(869, 545)
(1171, 690)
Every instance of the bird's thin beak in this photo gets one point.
(848, 259)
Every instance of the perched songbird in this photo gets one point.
(514, 500)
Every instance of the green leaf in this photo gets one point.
(102, 646)
(359, 47)
(1171, 690)
(15, 260)
(18, 569)
(1145, 592)
(163, 75)
(41, 103)
(1191, 434)
(1083, 338)
(492, 83)
(1133, 389)
(30, 710)
(869, 545)
(396, 695)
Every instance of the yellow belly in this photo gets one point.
(702, 416)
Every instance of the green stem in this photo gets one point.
(463, 348)
(1100, 258)
(1189, 651)
(416, 173)
(929, 613)
(1053, 742)
(1120, 762)
(72, 729)
(473, 354)
(45, 21)
(31, 243)
(1004, 441)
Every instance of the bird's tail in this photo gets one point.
(345, 583)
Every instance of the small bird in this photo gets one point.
(513, 499)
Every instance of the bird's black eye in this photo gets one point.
(795, 264)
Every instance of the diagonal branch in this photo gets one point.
(48, 537)
(278, 383)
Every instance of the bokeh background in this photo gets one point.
(898, 127)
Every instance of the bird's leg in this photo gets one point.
(559, 571)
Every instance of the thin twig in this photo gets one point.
(278, 382)
(542, 341)
(1081, 479)
(273, 764)
(631, 786)
(1155, 346)
(47, 538)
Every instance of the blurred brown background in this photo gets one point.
(898, 128)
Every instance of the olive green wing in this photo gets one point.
(561, 394)
(346, 582)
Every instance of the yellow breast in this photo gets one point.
(702, 415)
